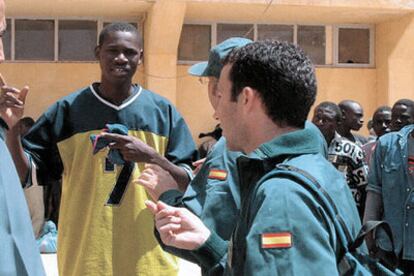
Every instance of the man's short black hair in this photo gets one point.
(346, 104)
(332, 107)
(407, 102)
(282, 74)
(384, 108)
(118, 27)
(27, 121)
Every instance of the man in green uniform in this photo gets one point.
(266, 90)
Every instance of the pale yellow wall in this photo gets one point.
(334, 84)
(162, 35)
(193, 103)
(51, 81)
(395, 60)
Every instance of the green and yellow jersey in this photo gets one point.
(97, 236)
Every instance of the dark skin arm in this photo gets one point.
(133, 149)
(12, 102)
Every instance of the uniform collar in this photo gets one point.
(302, 141)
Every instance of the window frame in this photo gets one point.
(100, 21)
(255, 34)
(335, 47)
(331, 37)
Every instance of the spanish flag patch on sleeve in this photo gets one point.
(217, 174)
(277, 240)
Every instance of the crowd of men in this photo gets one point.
(233, 214)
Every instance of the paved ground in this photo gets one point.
(50, 264)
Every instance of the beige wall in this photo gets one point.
(334, 84)
(395, 60)
(51, 81)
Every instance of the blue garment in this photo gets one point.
(19, 253)
(281, 206)
(100, 143)
(217, 202)
(388, 177)
(214, 199)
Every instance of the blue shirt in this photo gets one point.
(388, 176)
(19, 253)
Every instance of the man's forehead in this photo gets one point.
(400, 108)
(381, 114)
(325, 111)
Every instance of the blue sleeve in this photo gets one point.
(282, 207)
(374, 173)
(181, 149)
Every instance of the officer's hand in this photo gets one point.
(12, 102)
(156, 181)
(178, 227)
(131, 148)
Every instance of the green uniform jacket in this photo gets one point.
(305, 242)
(217, 202)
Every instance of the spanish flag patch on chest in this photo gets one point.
(277, 240)
(217, 174)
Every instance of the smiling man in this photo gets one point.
(103, 232)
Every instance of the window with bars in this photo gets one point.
(52, 39)
(354, 45)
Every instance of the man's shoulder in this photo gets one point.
(155, 97)
(75, 94)
(314, 164)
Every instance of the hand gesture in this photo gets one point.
(156, 181)
(178, 227)
(131, 148)
(12, 102)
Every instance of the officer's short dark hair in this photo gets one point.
(332, 107)
(282, 74)
(118, 27)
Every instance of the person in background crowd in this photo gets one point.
(402, 114)
(346, 156)
(19, 254)
(381, 124)
(212, 138)
(372, 136)
(352, 119)
(25, 124)
(104, 228)
(264, 99)
(391, 191)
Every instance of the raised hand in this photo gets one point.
(156, 181)
(178, 227)
(12, 101)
